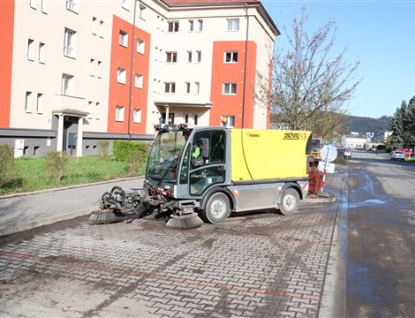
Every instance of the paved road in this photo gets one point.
(381, 237)
(45, 207)
(255, 265)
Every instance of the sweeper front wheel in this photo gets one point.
(217, 209)
(289, 201)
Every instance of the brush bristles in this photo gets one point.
(104, 217)
(185, 222)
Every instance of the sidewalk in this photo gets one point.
(26, 211)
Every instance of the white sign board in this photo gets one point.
(327, 165)
(18, 148)
(328, 153)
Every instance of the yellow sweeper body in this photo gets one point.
(268, 154)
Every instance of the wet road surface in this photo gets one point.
(381, 237)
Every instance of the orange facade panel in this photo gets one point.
(6, 59)
(119, 89)
(228, 75)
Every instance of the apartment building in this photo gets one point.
(75, 72)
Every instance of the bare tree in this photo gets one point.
(310, 83)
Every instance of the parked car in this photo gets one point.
(398, 155)
(406, 152)
(347, 153)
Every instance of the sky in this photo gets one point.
(379, 34)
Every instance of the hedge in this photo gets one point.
(122, 149)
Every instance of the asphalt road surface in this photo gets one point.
(381, 237)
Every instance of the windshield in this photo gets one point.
(165, 156)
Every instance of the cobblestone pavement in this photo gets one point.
(255, 265)
(25, 212)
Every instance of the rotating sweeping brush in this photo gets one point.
(185, 222)
(106, 217)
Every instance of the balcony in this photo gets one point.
(66, 104)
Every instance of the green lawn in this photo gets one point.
(31, 173)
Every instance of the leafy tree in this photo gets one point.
(309, 81)
(411, 122)
(397, 138)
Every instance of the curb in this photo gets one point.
(50, 220)
(22, 194)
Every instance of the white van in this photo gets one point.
(347, 153)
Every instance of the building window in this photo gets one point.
(36, 150)
(198, 56)
(99, 69)
(186, 118)
(171, 57)
(232, 24)
(97, 110)
(191, 25)
(200, 25)
(92, 67)
(137, 116)
(39, 104)
(170, 87)
(33, 4)
(121, 75)
(123, 39)
(44, 5)
(231, 57)
(142, 10)
(101, 29)
(229, 88)
(189, 56)
(138, 80)
(197, 88)
(230, 120)
(67, 85)
(42, 53)
(28, 102)
(125, 4)
(94, 25)
(90, 105)
(69, 48)
(187, 87)
(195, 117)
(119, 113)
(72, 5)
(173, 26)
(140, 46)
(30, 50)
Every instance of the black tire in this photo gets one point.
(289, 201)
(104, 200)
(217, 209)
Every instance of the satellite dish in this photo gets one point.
(328, 153)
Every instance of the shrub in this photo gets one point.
(103, 148)
(122, 149)
(8, 169)
(134, 162)
(56, 164)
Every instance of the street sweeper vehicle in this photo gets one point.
(213, 171)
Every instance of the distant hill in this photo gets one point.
(367, 124)
(362, 125)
